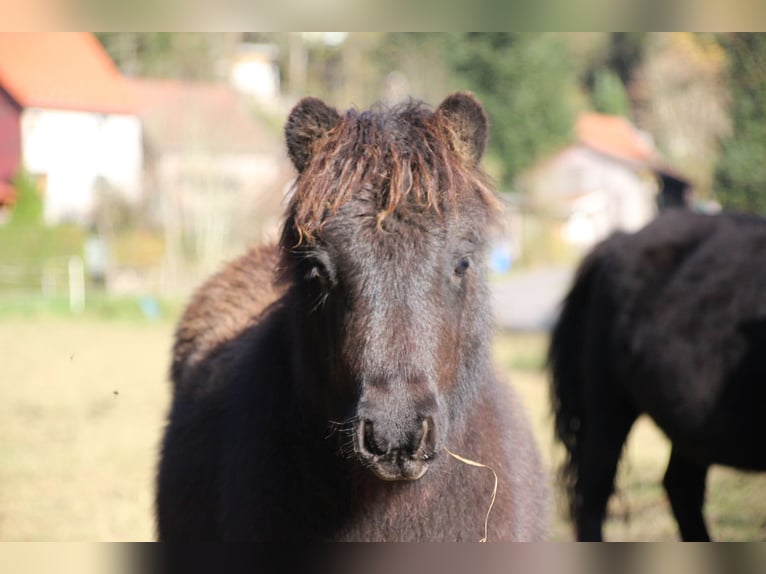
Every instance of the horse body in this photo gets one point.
(669, 321)
(318, 385)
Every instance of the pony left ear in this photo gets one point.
(467, 123)
(308, 122)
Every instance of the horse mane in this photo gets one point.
(403, 152)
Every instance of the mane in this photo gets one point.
(402, 152)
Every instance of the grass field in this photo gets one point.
(82, 410)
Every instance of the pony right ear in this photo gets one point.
(308, 122)
(467, 122)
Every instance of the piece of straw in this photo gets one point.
(494, 489)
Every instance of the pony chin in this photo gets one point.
(409, 472)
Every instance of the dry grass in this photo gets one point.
(78, 459)
(81, 415)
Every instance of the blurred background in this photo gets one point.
(133, 164)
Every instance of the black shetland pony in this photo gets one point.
(319, 384)
(669, 321)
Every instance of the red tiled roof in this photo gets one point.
(62, 70)
(615, 136)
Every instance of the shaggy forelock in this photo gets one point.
(402, 153)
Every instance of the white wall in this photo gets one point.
(259, 78)
(73, 150)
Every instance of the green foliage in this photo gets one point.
(188, 56)
(419, 57)
(98, 306)
(29, 206)
(625, 53)
(526, 84)
(526, 81)
(29, 249)
(38, 244)
(740, 177)
(26, 250)
(609, 95)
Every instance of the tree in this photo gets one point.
(607, 66)
(186, 56)
(526, 84)
(740, 176)
(412, 64)
(625, 54)
(609, 95)
(684, 101)
(29, 207)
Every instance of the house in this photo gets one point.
(215, 172)
(255, 71)
(611, 178)
(617, 138)
(66, 117)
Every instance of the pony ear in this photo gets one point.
(467, 123)
(308, 122)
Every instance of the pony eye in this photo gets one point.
(462, 266)
(319, 273)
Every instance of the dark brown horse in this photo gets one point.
(669, 321)
(319, 384)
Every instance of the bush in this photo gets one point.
(26, 251)
(29, 207)
(740, 176)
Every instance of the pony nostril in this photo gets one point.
(425, 445)
(376, 446)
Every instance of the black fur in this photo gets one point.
(307, 125)
(669, 321)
